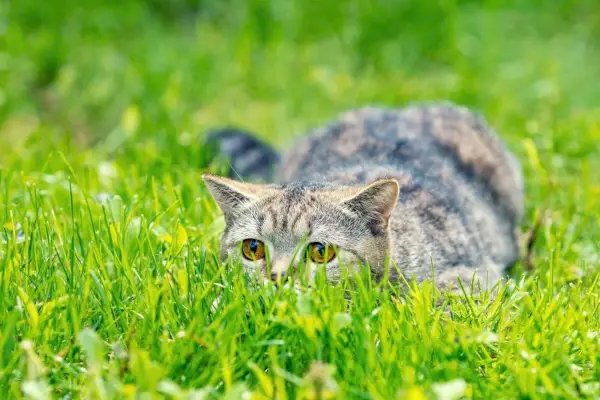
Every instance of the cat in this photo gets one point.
(428, 190)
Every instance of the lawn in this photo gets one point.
(108, 237)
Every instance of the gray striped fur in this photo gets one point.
(429, 187)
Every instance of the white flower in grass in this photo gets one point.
(450, 390)
(487, 338)
(102, 197)
(590, 389)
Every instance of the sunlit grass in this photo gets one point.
(108, 238)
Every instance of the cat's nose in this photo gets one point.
(276, 276)
(279, 269)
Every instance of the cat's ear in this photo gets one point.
(376, 201)
(230, 194)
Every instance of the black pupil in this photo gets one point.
(254, 246)
(321, 249)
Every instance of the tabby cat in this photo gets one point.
(426, 191)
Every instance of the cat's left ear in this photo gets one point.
(230, 195)
(376, 200)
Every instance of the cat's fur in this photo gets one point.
(430, 186)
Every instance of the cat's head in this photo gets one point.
(275, 230)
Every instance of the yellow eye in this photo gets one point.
(253, 249)
(320, 252)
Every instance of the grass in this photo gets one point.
(108, 267)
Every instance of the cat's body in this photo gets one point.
(454, 210)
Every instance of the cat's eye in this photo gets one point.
(253, 249)
(321, 253)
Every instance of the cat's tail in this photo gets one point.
(249, 157)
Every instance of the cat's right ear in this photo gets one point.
(376, 200)
(230, 195)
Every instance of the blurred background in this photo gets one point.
(117, 75)
(103, 105)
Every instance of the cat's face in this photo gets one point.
(276, 230)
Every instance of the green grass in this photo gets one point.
(108, 266)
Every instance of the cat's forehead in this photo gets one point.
(296, 210)
(307, 196)
(288, 215)
(293, 202)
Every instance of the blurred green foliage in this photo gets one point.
(108, 239)
(80, 64)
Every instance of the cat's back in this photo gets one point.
(442, 144)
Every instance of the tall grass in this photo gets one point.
(108, 239)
